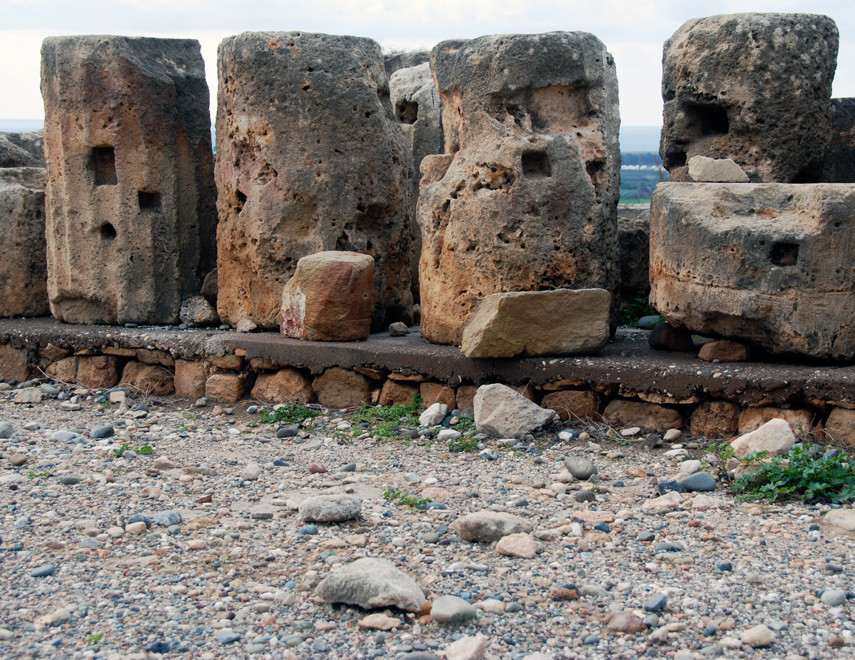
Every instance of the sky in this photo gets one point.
(633, 31)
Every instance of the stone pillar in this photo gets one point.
(769, 264)
(309, 158)
(415, 100)
(525, 196)
(130, 193)
(752, 87)
(840, 160)
(23, 269)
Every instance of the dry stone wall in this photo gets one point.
(309, 158)
(130, 191)
(525, 196)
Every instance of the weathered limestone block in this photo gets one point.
(14, 363)
(800, 420)
(97, 371)
(23, 265)
(769, 264)
(714, 419)
(530, 323)
(228, 388)
(752, 87)
(574, 404)
(525, 197)
(396, 393)
(840, 427)
(329, 298)
(309, 158)
(649, 416)
(840, 159)
(341, 388)
(284, 386)
(715, 170)
(24, 149)
(148, 379)
(634, 248)
(437, 393)
(407, 60)
(130, 192)
(190, 378)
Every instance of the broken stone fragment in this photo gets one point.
(530, 323)
(329, 298)
(371, 583)
(503, 412)
(715, 170)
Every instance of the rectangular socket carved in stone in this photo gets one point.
(104, 166)
(149, 201)
(535, 164)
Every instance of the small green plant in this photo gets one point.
(463, 443)
(289, 413)
(105, 403)
(121, 450)
(799, 474)
(723, 450)
(634, 310)
(145, 450)
(388, 419)
(32, 474)
(94, 638)
(406, 499)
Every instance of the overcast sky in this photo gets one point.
(633, 30)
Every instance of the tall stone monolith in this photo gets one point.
(130, 192)
(23, 269)
(755, 88)
(525, 196)
(309, 158)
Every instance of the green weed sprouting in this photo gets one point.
(406, 499)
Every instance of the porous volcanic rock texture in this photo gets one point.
(525, 196)
(309, 158)
(752, 87)
(764, 263)
(130, 194)
(840, 160)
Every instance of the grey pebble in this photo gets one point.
(167, 518)
(43, 570)
(69, 479)
(103, 431)
(699, 482)
(656, 603)
(227, 636)
(6, 430)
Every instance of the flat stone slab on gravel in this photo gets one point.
(371, 583)
(452, 609)
(330, 508)
(489, 526)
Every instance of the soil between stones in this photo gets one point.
(236, 578)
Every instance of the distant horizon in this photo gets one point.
(633, 139)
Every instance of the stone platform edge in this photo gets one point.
(626, 384)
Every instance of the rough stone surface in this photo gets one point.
(284, 386)
(634, 248)
(468, 647)
(525, 196)
(23, 266)
(396, 393)
(757, 636)
(801, 421)
(517, 545)
(309, 158)
(490, 526)
(580, 467)
(97, 371)
(329, 298)
(198, 311)
(437, 393)
(452, 609)
(533, 323)
(666, 337)
(648, 416)
(341, 388)
(434, 414)
(371, 583)
(396, 61)
(503, 412)
(742, 261)
(24, 149)
(190, 377)
(840, 426)
(714, 419)
(330, 508)
(415, 101)
(149, 379)
(841, 519)
(775, 437)
(752, 87)
(14, 364)
(839, 164)
(228, 388)
(724, 350)
(574, 404)
(715, 170)
(130, 194)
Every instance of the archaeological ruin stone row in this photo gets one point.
(490, 167)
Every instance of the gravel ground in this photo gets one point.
(195, 551)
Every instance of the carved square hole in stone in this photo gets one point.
(784, 254)
(407, 112)
(104, 166)
(107, 231)
(149, 201)
(535, 165)
(705, 119)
